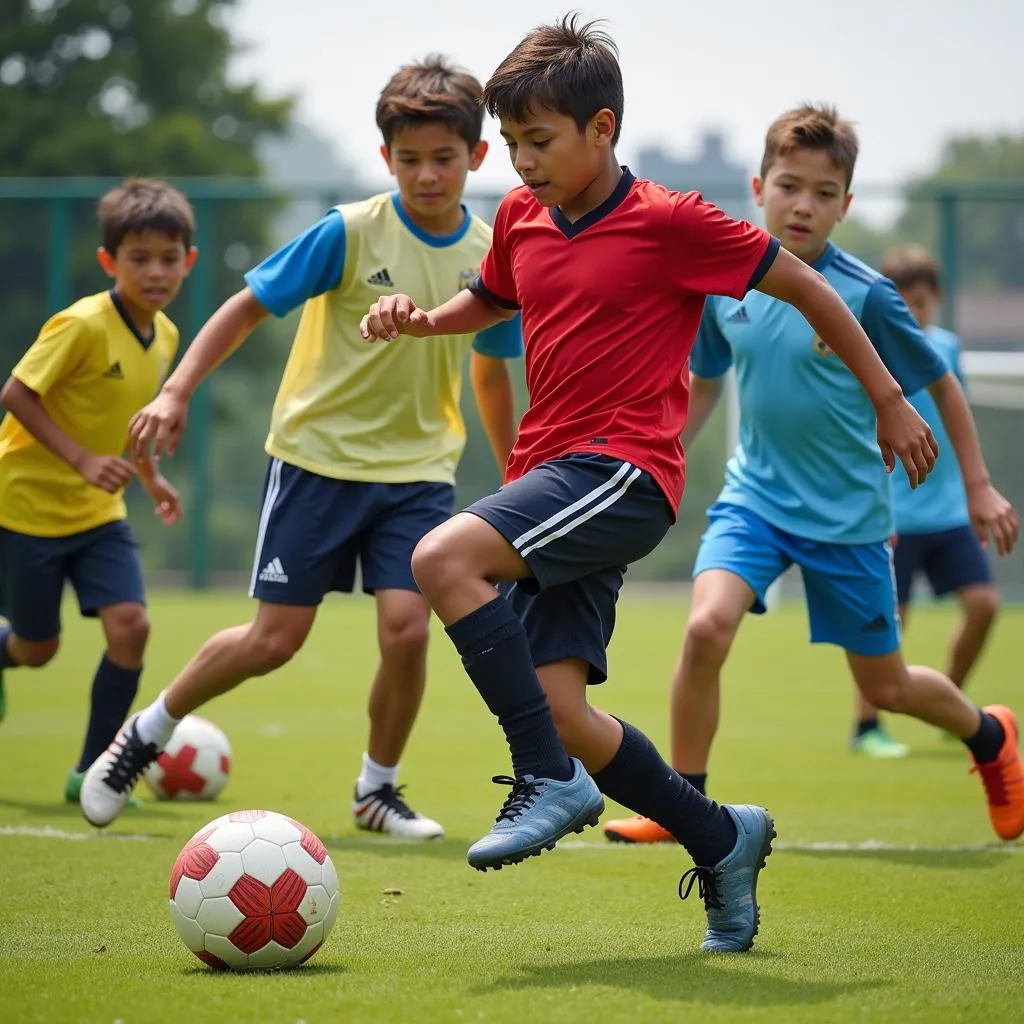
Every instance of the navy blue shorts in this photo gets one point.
(577, 522)
(949, 559)
(102, 565)
(314, 530)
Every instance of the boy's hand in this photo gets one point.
(166, 499)
(107, 472)
(392, 315)
(904, 435)
(160, 423)
(991, 514)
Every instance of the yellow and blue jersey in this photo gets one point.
(940, 503)
(352, 410)
(93, 371)
(807, 460)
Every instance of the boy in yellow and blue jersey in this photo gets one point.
(62, 475)
(935, 537)
(819, 497)
(364, 440)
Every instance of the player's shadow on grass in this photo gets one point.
(383, 846)
(63, 810)
(691, 977)
(924, 858)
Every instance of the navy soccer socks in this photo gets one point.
(113, 690)
(496, 655)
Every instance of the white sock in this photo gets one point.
(374, 775)
(155, 725)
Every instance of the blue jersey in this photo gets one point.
(940, 503)
(807, 459)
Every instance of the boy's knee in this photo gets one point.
(36, 654)
(128, 625)
(709, 633)
(404, 636)
(272, 647)
(981, 604)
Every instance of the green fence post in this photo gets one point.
(200, 308)
(58, 275)
(948, 245)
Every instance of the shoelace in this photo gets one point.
(707, 886)
(524, 792)
(994, 781)
(132, 758)
(391, 797)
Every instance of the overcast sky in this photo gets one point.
(911, 73)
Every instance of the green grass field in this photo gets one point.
(888, 897)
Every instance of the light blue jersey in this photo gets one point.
(940, 503)
(807, 461)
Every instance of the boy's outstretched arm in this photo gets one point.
(495, 401)
(990, 512)
(161, 422)
(902, 433)
(465, 313)
(704, 395)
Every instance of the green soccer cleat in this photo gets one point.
(73, 789)
(877, 743)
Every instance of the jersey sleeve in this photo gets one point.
(899, 340)
(61, 345)
(309, 265)
(711, 356)
(495, 283)
(715, 254)
(501, 341)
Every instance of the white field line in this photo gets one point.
(866, 846)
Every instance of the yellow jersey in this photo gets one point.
(352, 410)
(93, 372)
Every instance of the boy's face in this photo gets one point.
(430, 162)
(922, 300)
(804, 196)
(148, 268)
(554, 158)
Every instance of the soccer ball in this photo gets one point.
(195, 764)
(254, 890)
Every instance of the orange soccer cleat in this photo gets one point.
(637, 830)
(1003, 778)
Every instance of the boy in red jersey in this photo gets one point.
(610, 273)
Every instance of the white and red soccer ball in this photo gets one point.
(194, 765)
(254, 890)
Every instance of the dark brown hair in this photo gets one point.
(812, 127)
(909, 265)
(144, 204)
(432, 91)
(570, 68)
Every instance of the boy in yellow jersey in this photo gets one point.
(62, 476)
(364, 440)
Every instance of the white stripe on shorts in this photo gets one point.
(620, 485)
(273, 487)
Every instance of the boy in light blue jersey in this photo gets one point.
(363, 442)
(805, 485)
(935, 536)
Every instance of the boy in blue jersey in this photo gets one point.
(363, 442)
(805, 484)
(62, 472)
(933, 526)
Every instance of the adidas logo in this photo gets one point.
(381, 278)
(115, 372)
(879, 624)
(739, 316)
(273, 572)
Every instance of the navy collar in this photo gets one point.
(572, 228)
(130, 323)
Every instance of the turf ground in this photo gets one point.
(888, 897)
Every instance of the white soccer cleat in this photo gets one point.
(384, 810)
(112, 776)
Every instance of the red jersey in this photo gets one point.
(610, 308)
